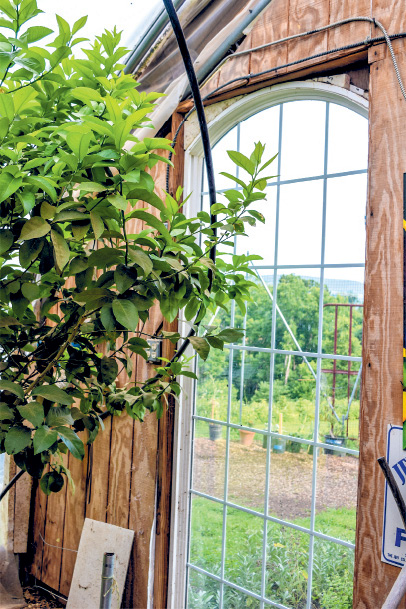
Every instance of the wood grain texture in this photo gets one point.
(52, 557)
(381, 401)
(351, 32)
(22, 513)
(74, 517)
(38, 530)
(392, 15)
(97, 492)
(303, 17)
(12, 470)
(272, 25)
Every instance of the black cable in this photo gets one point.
(11, 484)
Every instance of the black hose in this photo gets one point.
(197, 98)
(11, 484)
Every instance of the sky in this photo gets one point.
(128, 15)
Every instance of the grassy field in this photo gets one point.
(286, 561)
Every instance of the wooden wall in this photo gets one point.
(129, 459)
(124, 479)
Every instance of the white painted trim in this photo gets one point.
(240, 110)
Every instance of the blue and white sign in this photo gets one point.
(394, 533)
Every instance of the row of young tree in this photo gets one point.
(294, 387)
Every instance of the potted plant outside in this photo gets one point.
(249, 419)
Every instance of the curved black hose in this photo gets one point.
(197, 98)
(11, 484)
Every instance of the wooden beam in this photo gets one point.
(381, 396)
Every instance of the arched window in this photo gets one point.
(274, 451)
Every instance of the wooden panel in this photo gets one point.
(74, 517)
(303, 17)
(391, 14)
(39, 518)
(382, 343)
(22, 513)
(351, 32)
(97, 493)
(271, 25)
(52, 557)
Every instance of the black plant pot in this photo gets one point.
(334, 441)
(215, 431)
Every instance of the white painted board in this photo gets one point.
(96, 539)
(394, 533)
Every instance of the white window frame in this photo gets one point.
(240, 110)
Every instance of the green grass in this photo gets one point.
(287, 556)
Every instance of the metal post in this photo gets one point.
(107, 580)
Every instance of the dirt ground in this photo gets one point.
(39, 599)
(290, 480)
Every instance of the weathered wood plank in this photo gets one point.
(351, 32)
(272, 25)
(305, 16)
(74, 517)
(54, 526)
(97, 492)
(381, 401)
(22, 513)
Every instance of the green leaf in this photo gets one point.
(152, 221)
(79, 143)
(118, 201)
(47, 211)
(33, 412)
(7, 106)
(142, 259)
(34, 227)
(72, 441)
(6, 240)
(17, 438)
(8, 9)
(61, 249)
(126, 314)
(107, 318)
(12, 388)
(79, 24)
(124, 277)
(44, 438)
(30, 291)
(242, 161)
(108, 370)
(8, 321)
(51, 482)
(149, 197)
(200, 345)
(8, 185)
(230, 335)
(35, 33)
(59, 415)
(92, 187)
(43, 184)
(54, 394)
(6, 413)
(97, 224)
(215, 342)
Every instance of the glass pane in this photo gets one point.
(340, 389)
(262, 127)
(250, 392)
(212, 388)
(300, 220)
(294, 395)
(234, 599)
(342, 325)
(345, 220)
(260, 239)
(206, 534)
(247, 470)
(333, 568)
(348, 140)
(303, 135)
(222, 161)
(290, 480)
(203, 591)
(297, 315)
(244, 545)
(287, 564)
(209, 449)
(336, 503)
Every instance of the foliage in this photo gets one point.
(286, 563)
(88, 247)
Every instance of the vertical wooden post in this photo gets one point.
(381, 401)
